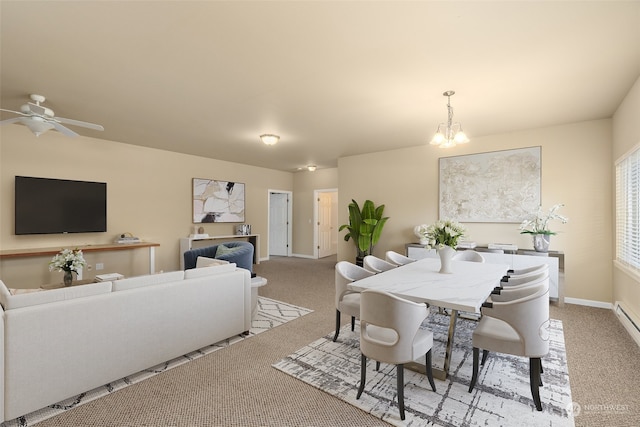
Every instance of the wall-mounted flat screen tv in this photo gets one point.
(58, 206)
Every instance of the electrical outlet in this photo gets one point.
(99, 266)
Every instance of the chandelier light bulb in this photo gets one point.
(460, 138)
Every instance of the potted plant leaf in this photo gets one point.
(364, 228)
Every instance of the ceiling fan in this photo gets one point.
(40, 119)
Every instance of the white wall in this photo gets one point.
(149, 193)
(626, 134)
(576, 171)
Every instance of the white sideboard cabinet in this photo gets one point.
(516, 260)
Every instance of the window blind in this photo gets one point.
(628, 209)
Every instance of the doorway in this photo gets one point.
(280, 222)
(326, 222)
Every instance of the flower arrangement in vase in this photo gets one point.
(69, 261)
(538, 226)
(443, 235)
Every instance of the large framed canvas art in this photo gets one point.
(499, 186)
(217, 201)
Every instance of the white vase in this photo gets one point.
(446, 257)
(424, 241)
(541, 242)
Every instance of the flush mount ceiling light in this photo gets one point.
(269, 139)
(312, 168)
(449, 134)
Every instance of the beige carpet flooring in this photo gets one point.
(238, 387)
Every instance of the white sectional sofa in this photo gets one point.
(62, 342)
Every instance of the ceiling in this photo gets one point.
(332, 78)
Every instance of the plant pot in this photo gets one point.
(67, 278)
(446, 258)
(541, 242)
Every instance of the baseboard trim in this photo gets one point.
(628, 320)
(589, 303)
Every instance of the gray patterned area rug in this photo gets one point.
(271, 313)
(502, 396)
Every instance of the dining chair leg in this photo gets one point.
(377, 365)
(485, 354)
(474, 375)
(335, 337)
(541, 372)
(534, 379)
(363, 374)
(353, 323)
(400, 375)
(429, 370)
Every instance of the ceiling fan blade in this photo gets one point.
(13, 120)
(79, 123)
(62, 129)
(14, 112)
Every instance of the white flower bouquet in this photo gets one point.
(538, 223)
(67, 260)
(444, 233)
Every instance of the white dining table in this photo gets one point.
(465, 289)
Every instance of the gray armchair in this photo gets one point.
(242, 257)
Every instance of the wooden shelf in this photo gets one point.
(20, 253)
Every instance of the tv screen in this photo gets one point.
(57, 206)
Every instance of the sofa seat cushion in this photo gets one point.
(147, 280)
(9, 301)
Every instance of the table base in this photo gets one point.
(443, 373)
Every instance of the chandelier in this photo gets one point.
(449, 134)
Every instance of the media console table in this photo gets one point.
(22, 253)
(516, 259)
(188, 243)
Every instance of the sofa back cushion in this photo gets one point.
(9, 301)
(147, 280)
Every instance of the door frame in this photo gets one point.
(316, 230)
(289, 219)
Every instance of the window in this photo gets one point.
(628, 210)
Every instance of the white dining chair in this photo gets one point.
(376, 265)
(398, 259)
(527, 270)
(524, 278)
(346, 300)
(518, 327)
(518, 288)
(390, 333)
(468, 255)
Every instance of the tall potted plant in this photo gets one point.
(364, 227)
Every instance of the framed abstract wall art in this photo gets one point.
(499, 186)
(217, 201)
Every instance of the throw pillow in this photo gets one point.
(223, 250)
(208, 262)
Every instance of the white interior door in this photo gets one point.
(327, 223)
(278, 224)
